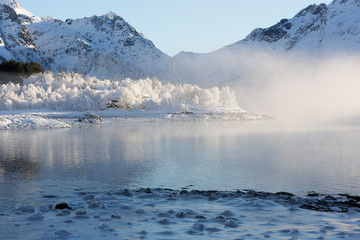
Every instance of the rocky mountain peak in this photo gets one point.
(111, 15)
(313, 10)
(11, 3)
(24, 15)
(309, 18)
(325, 27)
(16, 41)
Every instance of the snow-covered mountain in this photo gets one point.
(317, 29)
(108, 47)
(316, 32)
(103, 46)
(15, 40)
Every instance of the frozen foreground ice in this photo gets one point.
(58, 101)
(185, 214)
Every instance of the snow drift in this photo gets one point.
(73, 92)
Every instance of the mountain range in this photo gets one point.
(109, 47)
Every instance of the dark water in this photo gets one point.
(205, 155)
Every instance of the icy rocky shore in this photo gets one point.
(181, 214)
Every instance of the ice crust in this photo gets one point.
(173, 214)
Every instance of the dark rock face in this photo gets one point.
(316, 14)
(312, 9)
(9, 14)
(271, 34)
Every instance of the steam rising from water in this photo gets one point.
(305, 91)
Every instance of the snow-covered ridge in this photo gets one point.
(15, 40)
(70, 91)
(103, 46)
(317, 32)
(21, 11)
(317, 29)
(110, 48)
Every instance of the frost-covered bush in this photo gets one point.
(71, 91)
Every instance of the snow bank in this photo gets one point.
(29, 121)
(71, 91)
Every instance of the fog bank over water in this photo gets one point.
(310, 90)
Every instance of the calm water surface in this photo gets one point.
(204, 155)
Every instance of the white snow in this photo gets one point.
(20, 10)
(29, 121)
(108, 47)
(61, 100)
(70, 91)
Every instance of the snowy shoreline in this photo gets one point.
(59, 101)
(39, 119)
(181, 214)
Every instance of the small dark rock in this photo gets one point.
(62, 206)
(147, 190)
(140, 211)
(183, 192)
(198, 227)
(171, 212)
(80, 213)
(180, 215)
(196, 192)
(165, 222)
(285, 194)
(227, 213)
(49, 196)
(231, 224)
(115, 216)
(126, 193)
(313, 194)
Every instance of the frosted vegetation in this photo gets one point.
(73, 92)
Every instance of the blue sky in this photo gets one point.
(181, 25)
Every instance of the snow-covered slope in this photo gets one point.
(103, 46)
(108, 47)
(316, 33)
(25, 15)
(317, 29)
(15, 40)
